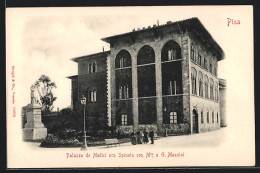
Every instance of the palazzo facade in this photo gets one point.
(162, 76)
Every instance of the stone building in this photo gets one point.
(222, 102)
(91, 82)
(164, 76)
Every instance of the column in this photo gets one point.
(158, 83)
(135, 91)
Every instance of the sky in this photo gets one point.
(48, 38)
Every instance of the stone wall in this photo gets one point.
(124, 130)
(206, 105)
(177, 129)
(96, 112)
(222, 104)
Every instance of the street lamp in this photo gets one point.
(83, 101)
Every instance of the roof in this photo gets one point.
(71, 77)
(192, 25)
(90, 55)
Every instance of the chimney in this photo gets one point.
(158, 22)
(103, 49)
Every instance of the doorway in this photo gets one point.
(195, 121)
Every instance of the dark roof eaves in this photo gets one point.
(70, 77)
(90, 55)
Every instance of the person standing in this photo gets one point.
(133, 138)
(145, 139)
(151, 134)
(138, 135)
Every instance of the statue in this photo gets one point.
(32, 95)
(34, 99)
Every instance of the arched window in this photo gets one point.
(213, 117)
(206, 83)
(146, 72)
(200, 84)
(123, 119)
(92, 94)
(123, 59)
(207, 116)
(202, 118)
(210, 67)
(216, 91)
(171, 51)
(194, 81)
(171, 69)
(205, 63)
(145, 55)
(92, 68)
(211, 89)
(217, 117)
(199, 59)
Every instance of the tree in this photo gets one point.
(46, 96)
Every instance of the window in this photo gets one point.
(210, 68)
(206, 90)
(202, 117)
(212, 117)
(92, 94)
(216, 91)
(123, 119)
(192, 53)
(194, 81)
(199, 59)
(200, 84)
(92, 68)
(121, 62)
(123, 59)
(207, 116)
(211, 91)
(173, 117)
(123, 92)
(172, 88)
(170, 51)
(201, 88)
(217, 117)
(206, 83)
(205, 63)
(172, 55)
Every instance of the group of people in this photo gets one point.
(142, 137)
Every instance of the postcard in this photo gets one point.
(154, 86)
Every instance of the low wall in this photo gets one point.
(177, 129)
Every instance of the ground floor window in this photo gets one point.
(124, 119)
(212, 117)
(202, 118)
(173, 117)
(207, 117)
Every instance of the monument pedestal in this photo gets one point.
(34, 128)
